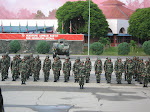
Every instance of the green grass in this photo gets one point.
(113, 51)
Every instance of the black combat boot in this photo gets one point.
(87, 81)
(98, 81)
(22, 82)
(80, 87)
(75, 81)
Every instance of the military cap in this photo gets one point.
(87, 58)
(109, 58)
(98, 58)
(37, 56)
(78, 58)
(67, 58)
(47, 56)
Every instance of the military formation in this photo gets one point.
(30, 66)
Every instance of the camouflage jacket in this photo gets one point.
(109, 67)
(23, 67)
(98, 68)
(130, 67)
(119, 67)
(76, 67)
(36, 66)
(66, 66)
(56, 66)
(46, 65)
(14, 65)
(88, 66)
(82, 71)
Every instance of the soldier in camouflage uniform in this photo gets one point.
(60, 65)
(66, 69)
(109, 70)
(140, 69)
(125, 64)
(23, 69)
(56, 69)
(14, 69)
(39, 67)
(31, 64)
(130, 71)
(105, 66)
(46, 68)
(149, 65)
(119, 70)
(18, 59)
(98, 70)
(7, 65)
(76, 66)
(70, 67)
(136, 69)
(88, 67)
(134, 61)
(146, 74)
(82, 71)
(36, 69)
(3, 67)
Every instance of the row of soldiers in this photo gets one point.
(29, 65)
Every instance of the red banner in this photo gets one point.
(69, 37)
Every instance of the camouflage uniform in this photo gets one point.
(105, 66)
(108, 70)
(3, 67)
(7, 65)
(70, 67)
(23, 69)
(88, 67)
(149, 65)
(119, 70)
(134, 61)
(129, 71)
(125, 64)
(98, 70)
(36, 69)
(18, 59)
(46, 68)
(146, 74)
(140, 69)
(14, 69)
(39, 67)
(56, 69)
(66, 69)
(31, 64)
(60, 65)
(82, 71)
(76, 66)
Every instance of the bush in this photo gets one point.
(97, 48)
(42, 47)
(14, 46)
(146, 47)
(123, 49)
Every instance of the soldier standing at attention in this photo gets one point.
(18, 59)
(105, 66)
(134, 61)
(76, 66)
(109, 70)
(125, 64)
(81, 74)
(60, 66)
(98, 70)
(3, 67)
(14, 69)
(146, 74)
(23, 69)
(149, 65)
(39, 67)
(88, 68)
(66, 69)
(36, 69)
(46, 68)
(70, 67)
(129, 71)
(119, 70)
(7, 57)
(31, 64)
(56, 69)
(140, 69)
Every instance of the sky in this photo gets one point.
(34, 5)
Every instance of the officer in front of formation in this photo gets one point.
(66, 69)
(98, 69)
(82, 71)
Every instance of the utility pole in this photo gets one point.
(89, 31)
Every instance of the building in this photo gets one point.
(117, 16)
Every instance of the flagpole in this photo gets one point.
(27, 27)
(10, 27)
(70, 28)
(89, 30)
(2, 26)
(62, 28)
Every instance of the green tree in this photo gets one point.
(42, 47)
(77, 12)
(14, 46)
(133, 45)
(146, 47)
(97, 48)
(105, 41)
(123, 48)
(139, 23)
(39, 15)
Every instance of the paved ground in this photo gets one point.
(67, 97)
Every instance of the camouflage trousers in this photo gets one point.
(56, 74)
(87, 76)
(108, 77)
(66, 75)
(118, 77)
(81, 80)
(23, 76)
(35, 76)
(46, 75)
(14, 74)
(98, 76)
(129, 77)
(76, 75)
(3, 73)
(145, 80)
(140, 78)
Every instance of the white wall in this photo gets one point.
(31, 22)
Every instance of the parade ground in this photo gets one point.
(68, 97)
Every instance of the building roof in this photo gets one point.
(114, 9)
(32, 29)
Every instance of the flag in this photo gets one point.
(70, 28)
(10, 27)
(19, 28)
(36, 27)
(2, 26)
(27, 27)
(62, 27)
(44, 27)
(53, 29)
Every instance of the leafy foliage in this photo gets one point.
(97, 48)
(133, 44)
(139, 23)
(146, 47)
(14, 46)
(43, 47)
(39, 15)
(105, 41)
(78, 12)
(123, 48)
